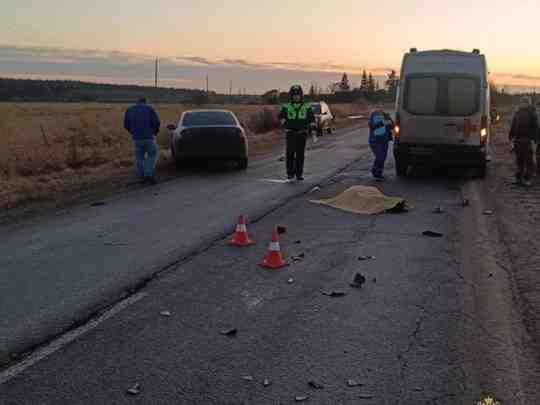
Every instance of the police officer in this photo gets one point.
(297, 117)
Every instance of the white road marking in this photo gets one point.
(65, 339)
(280, 181)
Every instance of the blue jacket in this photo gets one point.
(141, 121)
(380, 127)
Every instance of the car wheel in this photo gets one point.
(180, 164)
(243, 164)
(402, 167)
(329, 129)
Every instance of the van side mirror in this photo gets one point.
(171, 127)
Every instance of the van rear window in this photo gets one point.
(422, 93)
(462, 95)
(443, 95)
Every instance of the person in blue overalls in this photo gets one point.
(380, 135)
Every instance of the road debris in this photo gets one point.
(334, 293)
(135, 390)
(358, 281)
(465, 202)
(97, 204)
(247, 378)
(297, 242)
(365, 396)
(438, 210)
(165, 314)
(290, 281)
(354, 383)
(113, 244)
(399, 208)
(298, 258)
(364, 258)
(315, 385)
(267, 382)
(432, 234)
(374, 280)
(301, 398)
(314, 189)
(281, 229)
(488, 212)
(229, 332)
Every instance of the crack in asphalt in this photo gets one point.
(403, 353)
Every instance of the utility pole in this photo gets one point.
(230, 91)
(207, 87)
(156, 72)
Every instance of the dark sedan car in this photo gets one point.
(209, 135)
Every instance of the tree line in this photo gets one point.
(370, 90)
(25, 90)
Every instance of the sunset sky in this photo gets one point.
(258, 44)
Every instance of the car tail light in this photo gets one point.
(484, 130)
(397, 127)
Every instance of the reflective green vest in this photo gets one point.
(297, 111)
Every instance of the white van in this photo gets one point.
(442, 110)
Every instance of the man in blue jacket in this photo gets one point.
(142, 122)
(380, 134)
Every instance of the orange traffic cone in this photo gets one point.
(274, 260)
(241, 237)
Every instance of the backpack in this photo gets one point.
(379, 125)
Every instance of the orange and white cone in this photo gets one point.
(241, 237)
(274, 260)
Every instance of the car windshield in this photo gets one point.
(208, 118)
(316, 108)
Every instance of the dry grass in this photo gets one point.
(49, 152)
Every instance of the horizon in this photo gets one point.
(267, 47)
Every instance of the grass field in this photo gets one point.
(56, 153)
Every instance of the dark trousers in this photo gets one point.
(296, 150)
(524, 159)
(538, 157)
(380, 150)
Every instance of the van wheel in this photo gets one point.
(482, 171)
(402, 167)
(243, 164)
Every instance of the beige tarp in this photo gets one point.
(364, 200)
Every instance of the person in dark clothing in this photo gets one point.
(538, 140)
(297, 117)
(523, 133)
(142, 122)
(380, 134)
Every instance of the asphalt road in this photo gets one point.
(58, 271)
(434, 324)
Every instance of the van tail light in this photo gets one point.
(484, 130)
(397, 127)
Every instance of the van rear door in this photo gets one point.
(441, 108)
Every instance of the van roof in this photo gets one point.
(445, 52)
(445, 61)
